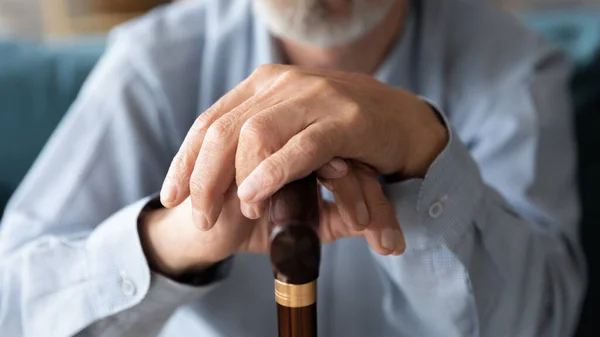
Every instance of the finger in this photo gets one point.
(335, 169)
(214, 169)
(263, 134)
(253, 211)
(306, 134)
(332, 226)
(350, 200)
(212, 174)
(302, 154)
(383, 234)
(230, 234)
(176, 188)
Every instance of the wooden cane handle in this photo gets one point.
(296, 256)
(295, 245)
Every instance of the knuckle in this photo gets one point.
(290, 75)
(354, 120)
(265, 70)
(306, 146)
(261, 69)
(203, 119)
(322, 85)
(198, 189)
(257, 141)
(181, 166)
(255, 128)
(178, 166)
(354, 113)
(200, 124)
(274, 171)
(186, 160)
(220, 131)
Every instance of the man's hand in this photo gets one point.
(174, 245)
(284, 122)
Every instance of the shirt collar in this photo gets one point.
(394, 69)
(266, 50)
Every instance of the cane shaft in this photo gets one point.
(297, 322)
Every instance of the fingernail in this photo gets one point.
(388, 239)
(362, 214)
(200, 220)
(339, 165)
(250, 211)
(168, 193)
(400, 243)
(249, 189)
(213, 216)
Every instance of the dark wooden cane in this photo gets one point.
(296, 256)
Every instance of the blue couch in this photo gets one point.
(38, 83)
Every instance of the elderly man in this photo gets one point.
(440, 131)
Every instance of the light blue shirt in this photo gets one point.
(491, 231)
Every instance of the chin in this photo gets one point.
(311, 22)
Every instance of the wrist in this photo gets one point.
(163, 246)
(432, 140)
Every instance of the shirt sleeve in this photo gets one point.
(491, 231)
(71, 258)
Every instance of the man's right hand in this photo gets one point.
(174, 245)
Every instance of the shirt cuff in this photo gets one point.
(440, 208)
(120, 272)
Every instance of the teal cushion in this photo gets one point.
(38, 83)
(575, 31)
(578, 33)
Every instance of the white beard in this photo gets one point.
(310, 21)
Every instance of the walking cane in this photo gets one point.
(296, 256)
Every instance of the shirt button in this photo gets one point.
(436, 210)
(127, 287)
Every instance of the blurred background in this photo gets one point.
(48, 48)
(47, 19)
